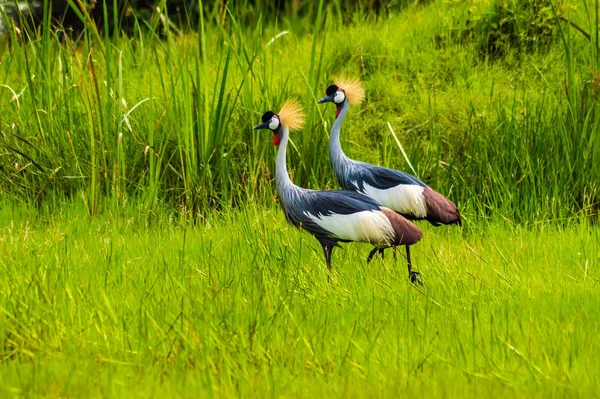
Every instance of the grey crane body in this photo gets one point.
(398, 191)
(302, 206)
(394, 189)
(335, 216)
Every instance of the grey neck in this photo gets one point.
(282, 178)
(338, 158)
(335, 148)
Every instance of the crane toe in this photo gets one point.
(414, 277)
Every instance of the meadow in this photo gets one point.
(143, 251)
(244, 306)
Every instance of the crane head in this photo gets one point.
(346, 89)
(291, 117)
(270, 120)
(334, 95)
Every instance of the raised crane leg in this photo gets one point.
(327, 252)
(373, 252)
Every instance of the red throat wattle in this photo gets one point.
(337, 111)
(276, 139)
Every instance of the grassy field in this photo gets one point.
(243, 305)
(143, 251)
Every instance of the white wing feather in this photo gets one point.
(403, 198)
(367, 226)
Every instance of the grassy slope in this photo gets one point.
(243, 305)
(479, 132)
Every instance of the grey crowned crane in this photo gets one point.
(333, 216)
(399, 191)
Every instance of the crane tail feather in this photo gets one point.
(440, 209)
(405, 232)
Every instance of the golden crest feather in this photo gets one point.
(353, 87)
(292, 114)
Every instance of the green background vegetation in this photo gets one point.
(143, 252)
(495, 103)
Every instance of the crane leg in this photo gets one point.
(373, 252)
(327, 252)
(414, 276)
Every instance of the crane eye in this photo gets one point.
(274, 123)
(339, 96)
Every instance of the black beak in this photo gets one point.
(262, 126)
(327, 99)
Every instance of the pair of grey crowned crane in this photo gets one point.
(376, 203)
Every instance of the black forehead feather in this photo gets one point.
(267, 116)
(331, 90)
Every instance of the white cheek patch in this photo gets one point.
(274, 123)
(339, 97)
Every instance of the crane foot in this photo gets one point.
(414, 277)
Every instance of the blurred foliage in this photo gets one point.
(184, 14)
(506, 25)
(169, 122)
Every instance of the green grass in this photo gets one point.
(243, 305)
(143, 252)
